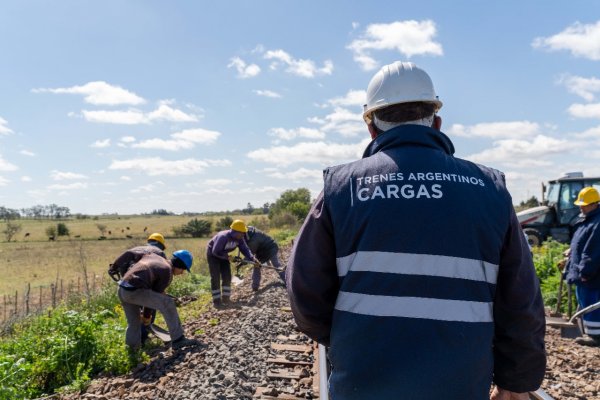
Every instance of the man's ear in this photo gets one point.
(437, 123)
(372, 130)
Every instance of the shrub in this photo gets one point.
(62, 229)
(224, 223)
(284, 219)
(195, 228)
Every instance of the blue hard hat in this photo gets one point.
(186, 257)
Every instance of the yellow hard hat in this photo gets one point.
(587, 196)
(239, 226)
(158, 237)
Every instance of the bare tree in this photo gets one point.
(11, 230)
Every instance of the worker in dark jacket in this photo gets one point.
(583, 266)
(144, 285)
(118, 269)
(217, 255)
(266, 250)
(412, 266)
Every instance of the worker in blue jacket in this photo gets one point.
(412, 267)
(583, 266)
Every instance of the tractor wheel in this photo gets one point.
(534, 237)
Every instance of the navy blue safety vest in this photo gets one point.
(418, 236)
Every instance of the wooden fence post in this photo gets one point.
(16, 302)
(53, 294)
(27, 298)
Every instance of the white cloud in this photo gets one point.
(342, 121)
(99, 93)
(189, 166)
(186, 139)
(407, 37)
(289, 134)
(147, 188)
(584, 87)
(6, 166)
(310, 152)
(127, 139)
(585, 110)
(244, 70)
(591, 133)
(497, 130)
(61, 176)
(99, 144)
(3, 181)
(267, 93)
(352, 98)
(524, 153)
(130, 117)
(198, 135)
(26, 178)
(69, 186)
(4, 129)
(580, 39)
(164, 112)
(300, 67)
(299, 175)
(125, 178)
(27, 153)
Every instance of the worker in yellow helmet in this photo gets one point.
(217, 254)
(583, 266)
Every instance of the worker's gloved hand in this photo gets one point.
(503, 394)
(256, 262)
(567, 252)
(561, 264)
(146, 321)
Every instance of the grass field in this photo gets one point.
(37, 261)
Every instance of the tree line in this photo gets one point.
(50, 211)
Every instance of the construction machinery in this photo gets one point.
(557, 214)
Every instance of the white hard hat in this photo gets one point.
(399, 82)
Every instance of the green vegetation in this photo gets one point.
(545, 259)
(295, 203)
(194, 228)
(65, 347)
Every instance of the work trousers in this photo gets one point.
(220, 277)
(131, 300)
(257, 274)
(591, 321)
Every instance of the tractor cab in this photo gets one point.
(557, 214)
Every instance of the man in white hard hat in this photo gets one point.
(412, 266)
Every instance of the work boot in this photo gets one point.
(226, 300)
(588, 341)
(217, 303)
(184, 342)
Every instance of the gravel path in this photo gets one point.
(238, 338)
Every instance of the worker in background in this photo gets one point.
(217, 255)
(155, 245)
(266, 250)
(583, 265)
(144, 285)
(411, 264)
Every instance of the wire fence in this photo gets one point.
(35, 300)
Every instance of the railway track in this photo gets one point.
(304, 366)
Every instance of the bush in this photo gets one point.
(62, 229)
(296, 202)
(284, 219)
(545, 259)
(195, 228)
(262, 223)
(51, 231)
(224, 223)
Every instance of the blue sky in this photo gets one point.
(130, 106)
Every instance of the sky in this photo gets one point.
(129, 106)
